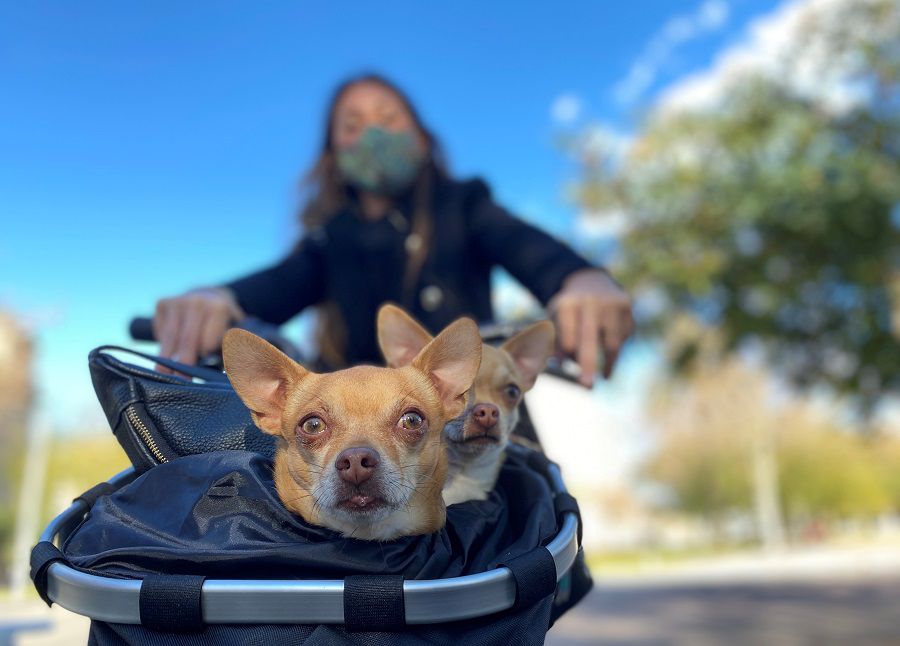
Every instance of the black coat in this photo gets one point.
(360, 264)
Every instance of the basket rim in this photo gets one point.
(247, 601)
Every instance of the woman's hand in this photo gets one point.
(592, 313)
(194, 323)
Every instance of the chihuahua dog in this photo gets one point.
(476, 440)
(360, 451)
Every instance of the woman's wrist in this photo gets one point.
(588, 278)
(227, 295)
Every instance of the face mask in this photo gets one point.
(381, 161)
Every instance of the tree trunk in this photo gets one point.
(766, 500)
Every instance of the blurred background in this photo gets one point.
(735, 163)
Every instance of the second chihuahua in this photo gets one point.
(476, 440)
(360, 451)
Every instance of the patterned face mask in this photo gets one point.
(381, 161)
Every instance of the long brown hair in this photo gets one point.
(330, 194)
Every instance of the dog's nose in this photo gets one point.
(486, 415)
(357, 464)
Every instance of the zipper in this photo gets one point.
(144, 433)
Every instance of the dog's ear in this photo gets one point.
(451, 361)
(261, 375)
(400, 336)
(530, 350)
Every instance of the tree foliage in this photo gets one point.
(704, 458)
(774, 216)
(827, 474)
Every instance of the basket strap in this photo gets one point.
(43, 555)
(200, 372)
(535, 576)
(374, 603)
(171, 603)
(90, 496)
(565, 502)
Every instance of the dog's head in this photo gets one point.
(507, 372)
(360, 450)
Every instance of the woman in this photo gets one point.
(387, 223)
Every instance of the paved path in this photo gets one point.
(31, 623)
(819, 613)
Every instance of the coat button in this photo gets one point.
(413, 243)
(431, 298)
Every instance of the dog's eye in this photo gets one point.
(411, 421)
(513, 391)
(313, 425)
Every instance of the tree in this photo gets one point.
(827, 474)
(717, 452)
(16, 399)
(709, 453)
(772, 214)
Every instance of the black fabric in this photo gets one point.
(521, 628)
(565, 502)
(171, 603)
(90, 496)
(535, 575)
(539, 462)
(182, 416)
(216, 515)
(43, 555)
(359, 264)
(374, 603)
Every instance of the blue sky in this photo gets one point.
(146, 148)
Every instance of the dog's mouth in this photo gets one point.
(362, 503)
(363, 499)
(473, 438)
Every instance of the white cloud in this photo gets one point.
(604, 141)
(566, 108)
(708, 17)
(712, 15)
(601, 224)
(797, 44)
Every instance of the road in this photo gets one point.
(754, 613)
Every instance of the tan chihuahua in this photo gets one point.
(360, 451)
(476, 440)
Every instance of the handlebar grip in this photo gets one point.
(141, 329)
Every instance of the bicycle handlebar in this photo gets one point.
(141, 329)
